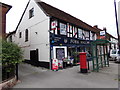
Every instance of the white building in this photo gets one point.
(45, 32)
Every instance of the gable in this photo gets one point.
(39, 15)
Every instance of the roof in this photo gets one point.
(57, 13)
(54, 12)
(10, 33)
(6, 6)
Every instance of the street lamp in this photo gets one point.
(117, 25)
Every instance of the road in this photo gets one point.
(36, 77)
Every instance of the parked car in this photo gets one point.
(118, 57)
(115, 55)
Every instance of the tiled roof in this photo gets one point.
(6, 6)
(52, 11)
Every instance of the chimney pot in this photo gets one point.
(96, 26)
(104, 28)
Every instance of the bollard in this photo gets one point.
(83, 62)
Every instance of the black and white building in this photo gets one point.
(45, 32)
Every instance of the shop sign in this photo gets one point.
(84, 42)
(102, 33)
(56, 40)
(54, 64)
(73, 41)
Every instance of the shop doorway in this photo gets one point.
(60, 53)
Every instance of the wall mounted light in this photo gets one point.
(36, 32)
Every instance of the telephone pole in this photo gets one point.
(117, 25)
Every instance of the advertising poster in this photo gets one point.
(55, 64)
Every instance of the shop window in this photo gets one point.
(31, 13)
(63, 29)
(26, 35)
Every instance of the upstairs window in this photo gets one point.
(20, 35)
(80, 35)
(63, 29)
(26, 35)
(31, 13)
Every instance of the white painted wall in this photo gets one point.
(115, 42)
(38, 27)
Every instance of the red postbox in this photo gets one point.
(83, 62)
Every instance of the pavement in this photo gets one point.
(37, 77)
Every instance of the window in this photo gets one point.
(26, 35)
(75, 32)
(54, 26)
(31, 13)
(20, 35)
(86, 35)
(80, 33)
(71, 30)
(92, 36)
(63, 29)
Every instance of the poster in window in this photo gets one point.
(54, 26)
(62, 29)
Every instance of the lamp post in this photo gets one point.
(117, 25)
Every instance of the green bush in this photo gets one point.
(10, 55)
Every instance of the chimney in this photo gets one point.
(95, 26)
(104, 28)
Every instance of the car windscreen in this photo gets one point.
(118, 52)
(113, 51)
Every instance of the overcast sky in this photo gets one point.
(93, 12)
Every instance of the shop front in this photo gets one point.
(67, 49)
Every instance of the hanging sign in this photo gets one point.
(54, 64)
(102, 34)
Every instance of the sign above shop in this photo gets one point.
(57, 40)
(102, 33)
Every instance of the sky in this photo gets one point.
(92, 12)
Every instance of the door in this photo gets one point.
(34, 55)
(60, 53)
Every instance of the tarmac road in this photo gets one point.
(36, 77)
